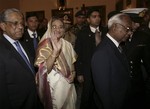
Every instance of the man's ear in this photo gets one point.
(2, 26)
(114, 26)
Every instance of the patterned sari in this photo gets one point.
(55, 90)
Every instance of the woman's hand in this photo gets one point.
(56, 43)
(71, 77)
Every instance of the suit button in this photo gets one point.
(131, 62)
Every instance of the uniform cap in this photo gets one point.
(136, 14)
(80, 13)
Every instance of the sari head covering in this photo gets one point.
(45, 49)
(61, 64)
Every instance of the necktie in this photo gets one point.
(23, 55)
(34, 41)
(120, 49)
(97, 37)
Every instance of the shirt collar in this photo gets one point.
(94, 29)
(9, 39)
(112, 39)
(31, 32)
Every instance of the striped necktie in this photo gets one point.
(35, 43)
(97, 37)
(120, 49)
(23, 55)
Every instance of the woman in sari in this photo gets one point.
(55, 59)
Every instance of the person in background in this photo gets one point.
(145, 24)
(81, 22)
(69, 36)
(86, 42)
(55, 59)
(110, 69)
(31, 36)
(137, 50)
(42, 27)
(17, 76)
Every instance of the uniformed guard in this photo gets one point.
(137, 49)
(80, 22)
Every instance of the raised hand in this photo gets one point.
(56, 43)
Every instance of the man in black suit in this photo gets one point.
(109, 66)
(31, 36)
(17, 76)
(85, 45)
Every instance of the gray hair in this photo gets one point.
(4, 14)
(116, 19)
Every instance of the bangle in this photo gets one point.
(54, 56)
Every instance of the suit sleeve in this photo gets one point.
(146, 63)
(146, 58)
(78, 49)
(4, 100)
(101, 70)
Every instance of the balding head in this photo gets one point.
(120, 26)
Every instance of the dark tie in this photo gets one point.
(97, 37)
(34, 41)
(23, 55)
(120, 49)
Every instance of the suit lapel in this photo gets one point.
(15, 54)
(27, 52)
(120, 56)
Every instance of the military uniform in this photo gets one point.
(78, 26)
(137, 50)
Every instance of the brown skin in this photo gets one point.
(119, 32)
(57, 33)
(80, 20)
(94, 19)
(32, 23)
(13, 30)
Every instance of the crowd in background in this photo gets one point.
(53, 64)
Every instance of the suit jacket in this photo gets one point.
(26, 39)
(85, 47)
(110, 75)
(17, 82)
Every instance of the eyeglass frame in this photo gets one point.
(127, 28)
(15, 23)
(59, 27)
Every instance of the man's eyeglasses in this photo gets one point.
(127, 28)
(15, 24)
